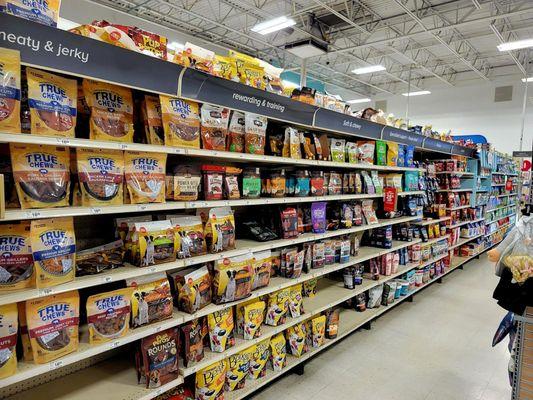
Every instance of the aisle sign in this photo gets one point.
(402, 136)
(438, 145)
(339, 122)
(390, 199)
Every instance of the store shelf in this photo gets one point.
(497, 184)
(500, 208)
(243, 246)
(465, 173)
(113, 379)
(506, 195)
(16, 215)
(465, 222)
(459, 208)
(455, 190)
(462, 241)
(504, 173)
(430, 221)
(499, 218)
(499, 228)
(431, 261)
(434, 240)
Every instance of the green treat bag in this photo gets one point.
(381, 152)
(410, 181)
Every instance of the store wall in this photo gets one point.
(471, 110)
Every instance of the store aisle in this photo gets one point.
(436, 348)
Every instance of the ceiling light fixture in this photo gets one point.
(273, 25)
(530, 79)
(355, 101)
(519, 44)
(419, 93)
(368, 70)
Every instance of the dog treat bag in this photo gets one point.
(296, 301)
(210, 381)
(42, 175)
(53, 325)
(192, 334)
(190, 235)
(221, 324)
(100, 173)
(151, 299)
(111, 111)
(52, 100)
(44, 12)
(9, 91)
(235, 140)
(53, 244)
(214, 127)
(296, 336)
(156, 243)
(232, 278)
(181, 122)
(160, 357)
(108, 315)
(278, 352)
(193, 286)
(318, 326)
(220, 230)
(145, 176)
(262, 269)
(277, 307)
(16, 259)
(259, 359)
(253, 318)
(8, 339)
(255, 133)
(238, 367)
(152, 120)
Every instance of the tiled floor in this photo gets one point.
(436, 348)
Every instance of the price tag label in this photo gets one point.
(63, 141)
(152, 269)
(158, 328)
(34, 214)
(114, 345)
(95, 210)
(122, 146)
(158, 391)
(107, 279)
(45, 291)
(142, 207)
(56, 364)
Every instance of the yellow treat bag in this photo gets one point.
(259, 359)
(181, 122)
(225, 67)
(16, 260)
(210, 381)
(8, 339)
(9, 91)
(318, 326)
(237, 369)
(44, 12)
(52, 100)
(220, 325)
(101, 175)
(253, 318)
(53, 244)
(278, 352)
(278, 305)
(108, 315)
(152, 120)
(53, 325)
(111, 111)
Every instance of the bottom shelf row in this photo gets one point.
(115, 378)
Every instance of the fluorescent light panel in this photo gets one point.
(355, 101)
(419, 93)
(519, 44)
(273, 25)
(368, 70)
(530, 79)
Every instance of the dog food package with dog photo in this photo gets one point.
(181, 122)
(210, 381)
(278, 352)
(10, 91)
(332, 322)
(152, 120)
(145, 176)
(238, 368)
(296, 301)
(101, 174)
(42, 12)
(277, 307)
(253, 319)
(236, 131)
(193, 288)
(239, 315)
(16, 262)
(220, 230)
(232, 278)
(52, 100)
(151, 299)
(259, 359)
(309, 288)
(156, 243)
(187, 179)
(296, 338)
(190, 235)
(108, 315)
(192, 341)
(111, 111)
(8, 339)
(214, 127)
(318, 325)
(42, 175)
(160, 357)
(221, 324)
(53, 325)
(262, 267)
(53, 244)
(255, 133)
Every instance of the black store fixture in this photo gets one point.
(57, 50)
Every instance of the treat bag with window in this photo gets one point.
(181, 122)
(8, 339)
(220, 230)
(152, 120)
(232, 279)
(108, 315)
(53, 325)
(193, 288)
(236, 131)
(145, 176)
(10, 91)
(16, 262)
(111, 111)
(192, 341)
(262, 266)
(190, 236)
(156, 243)
(255, 133)
(214, 127)
(186, 182)
(151, 299)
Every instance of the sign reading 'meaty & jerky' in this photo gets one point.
(52, 48)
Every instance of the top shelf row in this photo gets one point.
(60, 51)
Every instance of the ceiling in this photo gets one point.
(427, 42)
